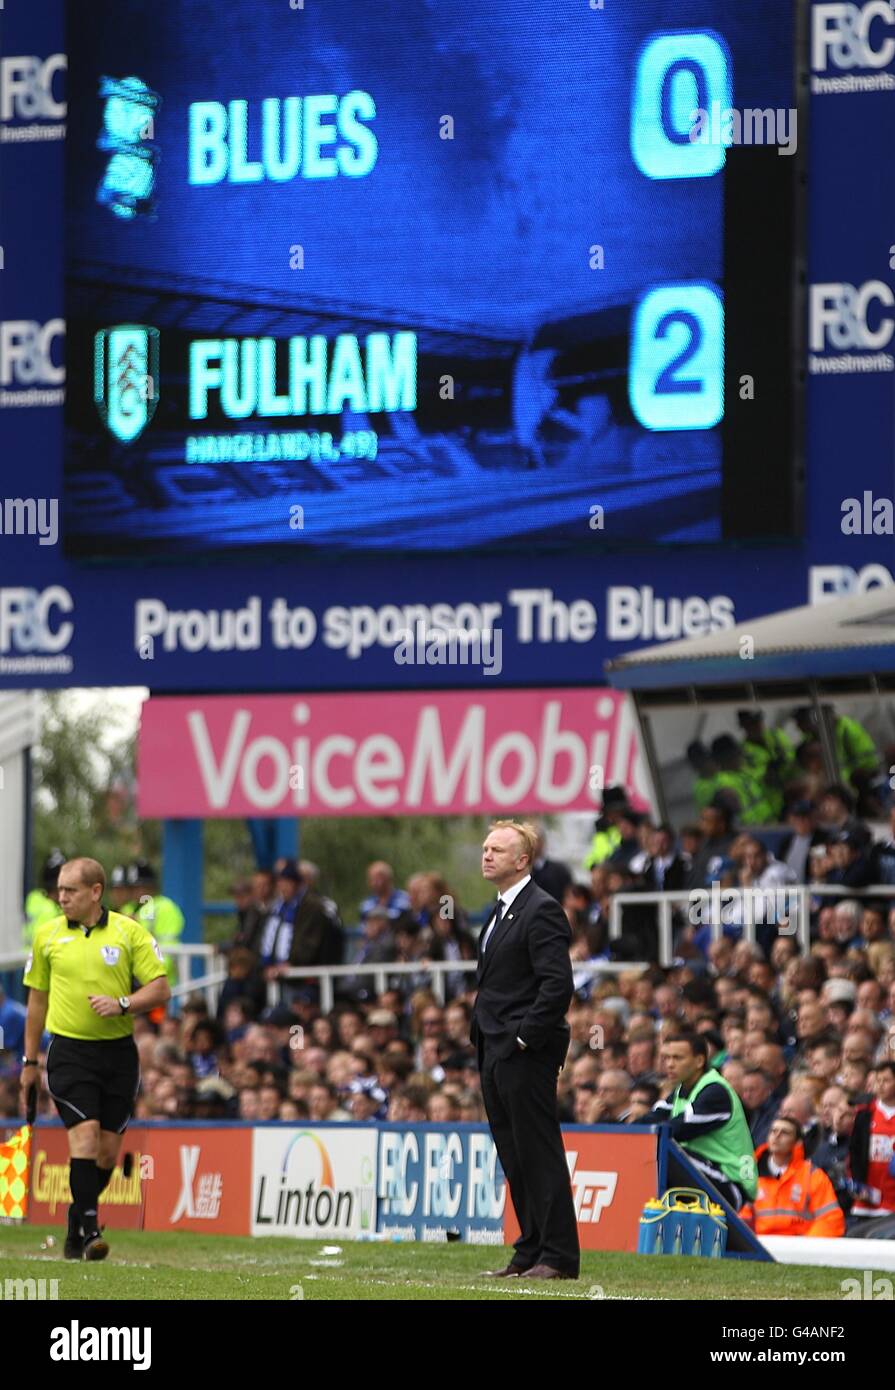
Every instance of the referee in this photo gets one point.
(79, 974)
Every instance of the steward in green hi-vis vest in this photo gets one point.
(42, 904)
(704, 789)
(729, 1148)
(164, 920)
(604, 843)
(769, 757)
(39, 908)
(855, 749)
(160, 915)
(755, 807)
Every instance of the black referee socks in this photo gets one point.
(85, 1190)
(102, 1175)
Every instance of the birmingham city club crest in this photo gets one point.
(125, 378)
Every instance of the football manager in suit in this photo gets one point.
(519, 1028)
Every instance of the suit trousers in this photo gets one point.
(519, 1092)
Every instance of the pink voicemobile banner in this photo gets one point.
(454, 752)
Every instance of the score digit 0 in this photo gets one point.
(677, 76)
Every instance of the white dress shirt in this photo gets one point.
(507, 897)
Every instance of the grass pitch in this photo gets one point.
(180, 1265)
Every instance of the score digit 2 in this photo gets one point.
(676, 366)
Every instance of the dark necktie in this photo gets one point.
(495, 923)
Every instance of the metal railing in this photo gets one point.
(381, 974)
(183, 953)
(797, 925)
(209, 985)
(800, 895)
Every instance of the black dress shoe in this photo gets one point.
(511, 1272)
(74, 1247)
(96, 1247)
(548, 1272)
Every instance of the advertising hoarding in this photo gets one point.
(405, 754)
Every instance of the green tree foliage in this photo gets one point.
(84, 782)
(344, 846)
(83, 777)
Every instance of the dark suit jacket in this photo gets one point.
(553, 877)
(708, 850)
(760, 1121)
(524, 978)
(378, 952)
(676, 875)
(311, 931)
(818, 837)
(251, 928)
(858, 874)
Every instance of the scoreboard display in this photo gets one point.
(417, 275)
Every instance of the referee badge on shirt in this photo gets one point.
(111, 954)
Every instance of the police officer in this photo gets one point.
(768, 755)
(120, 892)
(855, 750)
(79, 974)
(755, 807)
(607, 836)
(42, 904)
(160, 915)
(705, 782)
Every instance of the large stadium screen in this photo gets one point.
(430, 276)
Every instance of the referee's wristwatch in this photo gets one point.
(124, 1004)
(30, 1062)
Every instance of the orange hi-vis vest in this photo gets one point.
(801, 1202)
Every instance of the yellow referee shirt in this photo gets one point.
(71, 964)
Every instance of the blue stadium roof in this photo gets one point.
(843, 637)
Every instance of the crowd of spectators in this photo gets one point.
(806, 1035)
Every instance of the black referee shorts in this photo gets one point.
(94, 1081)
